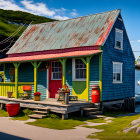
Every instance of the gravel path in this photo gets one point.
(18, 130)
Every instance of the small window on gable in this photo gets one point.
(119, 39)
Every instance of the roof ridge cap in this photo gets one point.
(75, 18)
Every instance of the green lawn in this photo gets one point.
(3, 113)
(56, 123)
(114, 130)
(23, 115)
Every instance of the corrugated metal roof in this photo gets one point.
(83, 31)
(50, 56)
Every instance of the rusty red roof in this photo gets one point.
(83, 31)
(50, 56)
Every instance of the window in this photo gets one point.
(117, 72)
(56, 71)
(79, 70)
(119, 39)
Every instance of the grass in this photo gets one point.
(3, 113)
(54, 122)
(114, 130)
(98, 120)
(23, 115)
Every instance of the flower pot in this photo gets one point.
(13, 108)
(9, 94)
(36, 98)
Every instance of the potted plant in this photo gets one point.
(37, 96)
(9, 94)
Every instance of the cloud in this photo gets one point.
(10, 5)
(132, 41)
(74, 12)
(135, 41)
(58, 17)
(37, 8)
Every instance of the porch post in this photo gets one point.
(16, 79)
(87, 62)
(4, 73)
(63, 62)
(88, 74)
(36, 66)
(100, 75)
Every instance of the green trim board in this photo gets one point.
(36, 66)
(4, 73)
(100, 75)
(63, 62)
(16, 65)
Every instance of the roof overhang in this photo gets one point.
(43, 57)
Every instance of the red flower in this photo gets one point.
(37, 94)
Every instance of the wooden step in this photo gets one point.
(42, 108)
(40, 112)
(96, 105)
(37, 116)
(90, 109)
(96, 113)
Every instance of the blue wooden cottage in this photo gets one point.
(79, 52)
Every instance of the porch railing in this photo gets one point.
(10, 86)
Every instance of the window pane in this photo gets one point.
(56, 70)
(84, 73)
(119, 38)
(77, 73)
(80, 69)
(118, 44)
(114, 76)
(117, 72)
(81, 74)
(118, 77)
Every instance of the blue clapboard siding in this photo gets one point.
(94, 73)
(69, 74)
(26, 74)
(42, 81)
(7, 70)
(126, 89)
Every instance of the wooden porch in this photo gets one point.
(16, 86)
(51, 104)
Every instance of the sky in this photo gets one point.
(65, 9)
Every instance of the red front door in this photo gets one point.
(55, 78)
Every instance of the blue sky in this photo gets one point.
(64, 9)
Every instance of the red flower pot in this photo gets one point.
(13, 109)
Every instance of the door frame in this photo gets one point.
(50, 77)
(47, 84)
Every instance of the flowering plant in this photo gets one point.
(37, 94)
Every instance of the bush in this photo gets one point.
(27, 112)
(53, 116)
